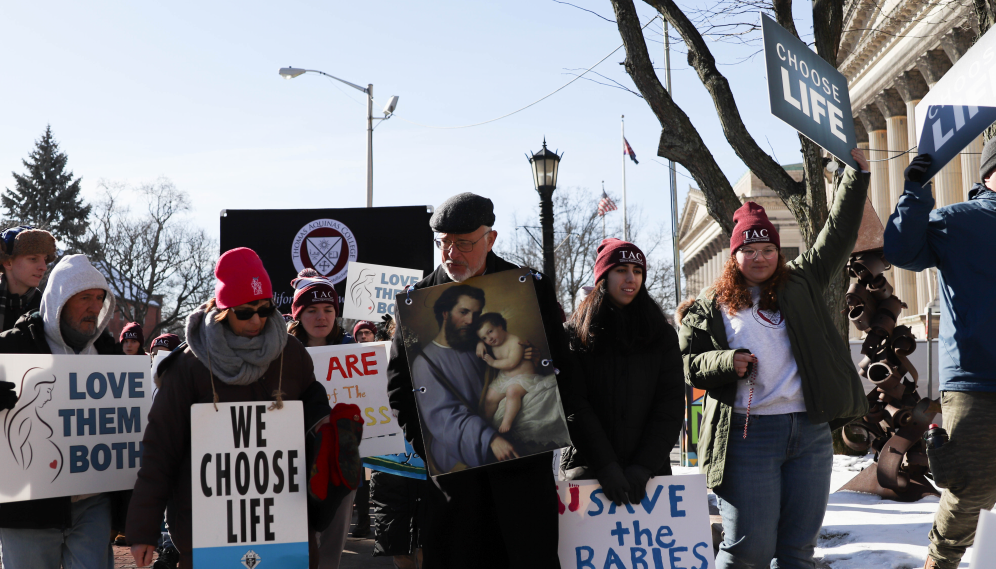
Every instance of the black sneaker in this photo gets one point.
(168, 558)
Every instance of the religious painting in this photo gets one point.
(484, 383)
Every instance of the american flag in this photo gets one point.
(605, 205)
(628, 150)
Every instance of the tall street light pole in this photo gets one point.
(292, 72)
(545, 165)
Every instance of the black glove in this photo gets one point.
(7, 396)
(638, 477)
(614, 483)
(917, 168)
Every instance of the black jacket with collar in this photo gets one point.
(28, 337)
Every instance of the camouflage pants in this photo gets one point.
(970, 420)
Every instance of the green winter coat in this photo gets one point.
(830, 383)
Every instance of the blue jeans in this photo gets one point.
(774, 494)
(84, 545)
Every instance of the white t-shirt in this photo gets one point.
(778, 386)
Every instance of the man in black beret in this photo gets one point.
(505, 514)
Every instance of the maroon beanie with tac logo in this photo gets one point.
(241, 279)
(132, 331)
(613, 252)
(752, 226)
(168, 342)
(312, 290)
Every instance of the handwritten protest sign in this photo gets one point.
(370, 289)
(357, 373)
(807, 92)
(669, 528)
(77, 426)
(248, 480)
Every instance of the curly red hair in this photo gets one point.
(731, 287)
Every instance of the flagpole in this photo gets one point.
(625, 220)
(603, 215)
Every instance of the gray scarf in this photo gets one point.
(233, 359)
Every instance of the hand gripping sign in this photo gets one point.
(959, 107)
(248, 485)
(668, 528)
(357, 374)
(807, 92)
(77, 426)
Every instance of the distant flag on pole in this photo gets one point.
(605, 205)
(628, 151)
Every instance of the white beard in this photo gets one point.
(463, 273)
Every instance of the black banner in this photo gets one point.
(288, 240)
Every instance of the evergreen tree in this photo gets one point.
(47, 196)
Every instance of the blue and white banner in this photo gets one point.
(948, 129)
(668, 528)
(248, 485)
(77, 426)
(370, 290)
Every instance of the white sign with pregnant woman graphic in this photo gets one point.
(77, 426)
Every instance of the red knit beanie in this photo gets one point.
(132, 331)
(365, 325)
(613, 252)
(168, 342)
(241, 279)
(312, 290)
(752, 226)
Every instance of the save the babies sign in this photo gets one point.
(668, 529)
(248, 485)
(77, 426)
(357, 374)
(807, 92)
(370, 289)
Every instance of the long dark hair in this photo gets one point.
(590, 328)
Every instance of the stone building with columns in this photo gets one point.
(892, 52)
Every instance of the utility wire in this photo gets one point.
(564, 86)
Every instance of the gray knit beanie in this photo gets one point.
(988, 161)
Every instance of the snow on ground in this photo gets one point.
(863, 531)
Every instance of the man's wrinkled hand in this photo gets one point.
(143, 554)
(503, 449)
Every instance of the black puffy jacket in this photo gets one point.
(627, 404)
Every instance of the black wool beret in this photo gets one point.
(463, 213)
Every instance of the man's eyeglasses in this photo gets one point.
(463, 245)
(247, 313)
(751, 254)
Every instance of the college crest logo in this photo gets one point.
(325, 245)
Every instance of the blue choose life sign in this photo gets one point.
(807, 92)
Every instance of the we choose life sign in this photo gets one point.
(668, 529)
(248, 485)
(77, 426)
(807, 92)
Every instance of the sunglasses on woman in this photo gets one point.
(247, 313)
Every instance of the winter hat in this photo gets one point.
(168, 342)
(26, 240)
(987, 163)
(365, 325)
(132, 331)
(241, 279)
(312, 290)
(752, 226)
(73, 274)
(613, 252)
(463, 213)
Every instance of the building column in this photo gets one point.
(893, 108)
(878, 190)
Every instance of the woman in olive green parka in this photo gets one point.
(790, 373)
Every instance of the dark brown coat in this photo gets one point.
(165, 474)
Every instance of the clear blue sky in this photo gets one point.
(190, 90)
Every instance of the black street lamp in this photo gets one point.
(545, 165)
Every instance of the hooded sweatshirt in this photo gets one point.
(72, 275)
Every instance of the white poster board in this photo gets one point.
(669, 528)
(984, 550)
(249, 485)
(77, 426)
(357, 374)
(370, 289)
